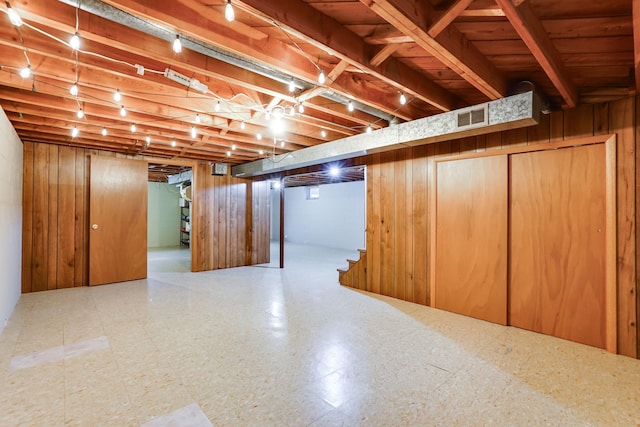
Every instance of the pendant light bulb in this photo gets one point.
(75, 132)
(369, 129)
(300, 108)
(323, 133)
(14, 17)
(80, 113)
(321, 77)
(123, 112)
(228, 153)
(261, 152)
(104, 131)
(259, 136)
(173, 143)
(403, 99)
(233, 147)
(75, 42)
(282, 144)
(25, 73)
(229, 13)
(133, 128)
(117, 96)
(350, 107)
(217, 107)
(73, 90)
(292, 86)
(197, 118)
(267, 116)
(243, 125)
(177, 45)
(194, 132)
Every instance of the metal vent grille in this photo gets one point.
(472, 117)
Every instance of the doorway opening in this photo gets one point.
(169, 218)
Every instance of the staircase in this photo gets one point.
(355, 276)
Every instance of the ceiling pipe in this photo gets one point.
(111, 13)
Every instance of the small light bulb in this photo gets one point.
(133, 128)
(258, 136)
(25, 73)
(350, 107)
(73, 90)
(173, 143)
(194, 132)
(403, 99)
(233, 147)
(104, 132)
(334, 171)
(177, 45)
(267, 116)
(217, 107)
(323, 133)
(228, 153)
(321, 77)
(75, 42)
(14, 18)
(117, 96)
(261, 152)
(292, 86)
(292, 110)
(282, 144)
(197, 118)
(242, 125)
(300, 108)
(148, 139)
(123, 112)
(74, 132)
(229, 14)
(80, 113)
(369, 129)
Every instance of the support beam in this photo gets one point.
(447, 18)
(450, 46)
(531, 31)
(636, 42)
(383, 54)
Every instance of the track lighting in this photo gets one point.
(177, 44)
(173, 143)
(75, 42)
(123, 112)
(14, 18)
(133, 128)
(292, 86)
(117, 96)
(75, 132)
(403, 99)
(25, 73)
(321, 77)
(104, 132)
(194, 132)
(350, 107)
(259, 136)
(80, 113)
(73, 90)
(369, 129)
(229, 14)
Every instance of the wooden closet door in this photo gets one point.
(471, 237)
(557, 243)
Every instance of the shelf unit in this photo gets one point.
(185, 225)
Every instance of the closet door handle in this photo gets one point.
(94, 226)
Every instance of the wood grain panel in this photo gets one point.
(40, 258)
(471, 237)
(557, 252)
(375, 226)
(578, 121)
(399, 237)
(420, 171)
(27, 216)
(66, 210)
(52, 251)
(387, 180)
(81, 220)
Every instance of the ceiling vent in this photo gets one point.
(472, 117)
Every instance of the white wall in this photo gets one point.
(10, 219)
(275, 214)
(163, 227)
(336, 220)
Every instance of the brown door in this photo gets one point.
(557, 251)
(471, 237)
(118, 220)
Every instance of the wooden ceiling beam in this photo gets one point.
(384, 53)
(450, 46)
(636, 42)
(320, 30)
(448, 17)
(530, 29)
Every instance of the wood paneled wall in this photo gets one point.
(233, 216)
(397, 209)
(233, 221)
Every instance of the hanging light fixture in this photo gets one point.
(233, 147)
(259, 136)
(300, 108)
(369, 129)
(123, 112)
(104, 132)
(261, 152)
(177, 44)
(75, 42)
(25, 72)
(75, 132)
(229, 13)
(217, 107)
(148, 139)
(403, 99)
(292, 86)
(133, 128)
(242, 125)
(228, 153)
(73, 90)
(350, 107)
(14, 18)
(321, 77)
(117, 96)
(194, 132)
(173, 143)
(323, 133)
(80, 113)
(197, 118)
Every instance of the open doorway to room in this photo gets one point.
(324, 214)
(169, 218)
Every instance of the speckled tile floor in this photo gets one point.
(262, 346)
